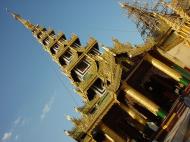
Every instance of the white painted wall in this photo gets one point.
(181, 52)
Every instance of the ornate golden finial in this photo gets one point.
(68, 117)
(108, 50)
(68, 133)
(80, 109)
(76, 109)
(121, 4)
(73, 120)
(17, 17)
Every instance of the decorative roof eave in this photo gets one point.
(120, 48)
(88, 106)
(87, 124)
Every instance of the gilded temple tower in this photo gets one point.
(130, 93)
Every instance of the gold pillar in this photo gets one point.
(134, 114)
(108, 138)
(163, 67)
(167, 70)
(111, 134)
(142, 100)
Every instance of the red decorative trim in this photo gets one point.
(188, 69)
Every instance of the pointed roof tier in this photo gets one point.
(73, 58)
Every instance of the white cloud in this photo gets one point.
(18, 121)
(47, 108)
(16, 137)
(7, 136)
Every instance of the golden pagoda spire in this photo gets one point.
(17, 17)
(147, 23)
(70, 55)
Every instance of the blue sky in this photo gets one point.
(34, 95)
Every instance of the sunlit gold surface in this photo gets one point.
(163, 67)
(111, 133)
(133, 113)
(142, 100)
